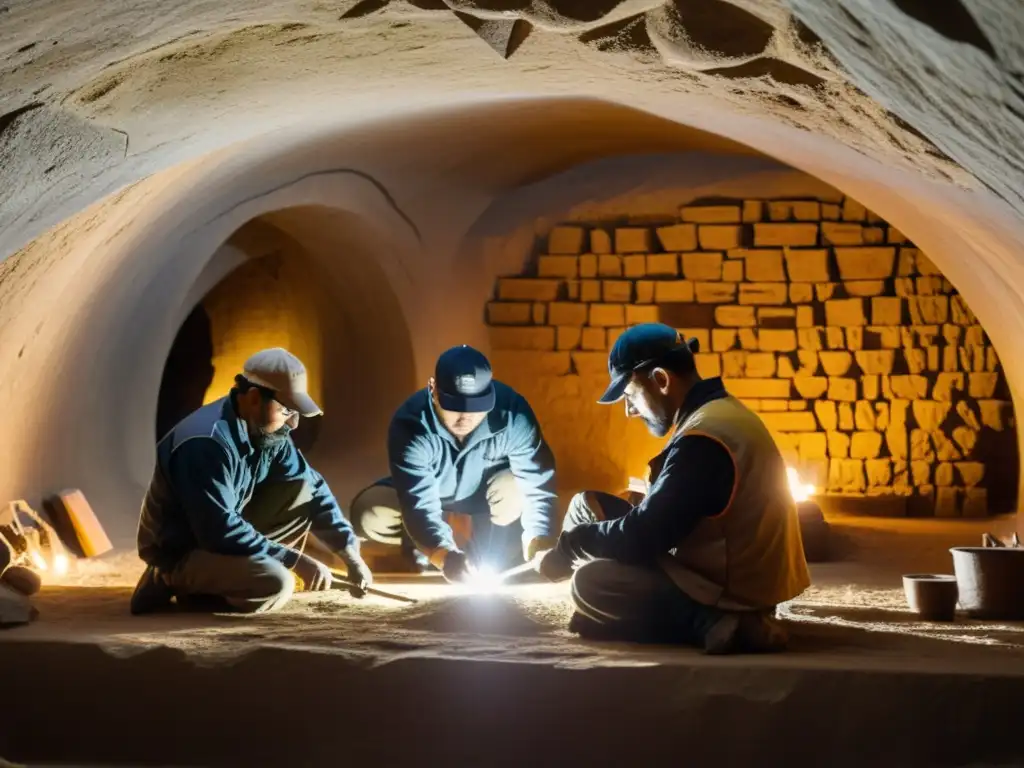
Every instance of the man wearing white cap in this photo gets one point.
(233, 506)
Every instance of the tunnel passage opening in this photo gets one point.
(188, 383)
(273, 297)
(301, 279)
(875, 378)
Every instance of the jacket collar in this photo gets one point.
(236, 426)
(703, 392)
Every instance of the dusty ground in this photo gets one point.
(495, 680)
(854, 613)
(839, 621)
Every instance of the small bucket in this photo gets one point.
(931, 596)
(990, 581)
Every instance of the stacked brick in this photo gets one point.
(865, 363)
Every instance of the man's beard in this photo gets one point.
(659, 421)
(268, 440)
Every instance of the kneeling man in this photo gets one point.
(233, 506)
(472, 480)
(714, 546)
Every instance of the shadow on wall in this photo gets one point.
(367, 363)
(188, 372)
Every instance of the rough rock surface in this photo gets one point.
(47, 153)
(933, 86)
(201, 116)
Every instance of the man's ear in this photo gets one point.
(661, 380)
(430, 385)
(249, 399)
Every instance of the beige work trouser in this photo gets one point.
(256, 584)
(479, 524)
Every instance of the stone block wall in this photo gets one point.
(265, 302)
(868, 367)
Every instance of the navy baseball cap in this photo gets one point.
(639, 347)
(462, 379)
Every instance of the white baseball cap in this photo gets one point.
(283, 373)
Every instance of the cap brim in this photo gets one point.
(615, 390)
(301, 402)
(482, 403)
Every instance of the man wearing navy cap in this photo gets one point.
(469, 471)
(714, 546)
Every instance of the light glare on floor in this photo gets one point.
(483, 579)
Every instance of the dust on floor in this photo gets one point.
(855, 613)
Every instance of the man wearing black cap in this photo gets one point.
(233, 506)
(466, 453)
(715, 544)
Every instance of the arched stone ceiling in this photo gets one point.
(912, 106)
(94, 98)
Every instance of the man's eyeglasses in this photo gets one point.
(285, 410)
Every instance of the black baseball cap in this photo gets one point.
(463, 381)
(640, 347)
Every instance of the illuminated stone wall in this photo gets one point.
(266, 302)
(861, 358)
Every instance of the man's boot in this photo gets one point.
(152, 593)
(746, 632)
(588, 629)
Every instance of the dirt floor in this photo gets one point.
(855, 602)
(853, 640)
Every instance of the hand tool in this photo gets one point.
(517, 570)
(388, 595)
(340, 582)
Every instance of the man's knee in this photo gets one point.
(589, 589)
(375, 514)
(270, 586)
(610, 592)
(248, 584)
(505, 498)
(584, 508)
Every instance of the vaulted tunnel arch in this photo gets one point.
(426, 225)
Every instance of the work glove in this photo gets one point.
(456, 567)
(537, 545)
(359, 575)
(313, 576)
(554, 565)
